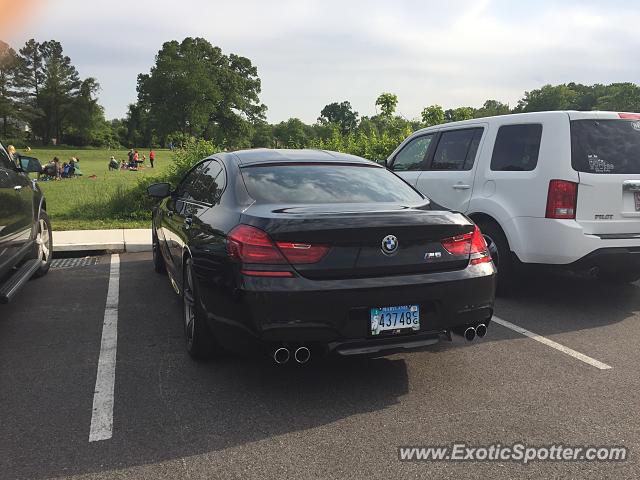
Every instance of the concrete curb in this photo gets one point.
(120, 240)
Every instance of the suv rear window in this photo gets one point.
(605, 146)
(517, 148)
(328, 183)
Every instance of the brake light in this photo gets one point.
(479, 250)
(629, 116)
(458, 245)
(251, 245)
(562, 199)
(471, 244)
(301, 253)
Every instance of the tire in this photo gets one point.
(43, 248)
(501, 254)
(619, 277)
(158, 262)
(200, 341)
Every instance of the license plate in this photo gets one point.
(395, 318)
(636, 197)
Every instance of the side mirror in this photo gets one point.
(159, 190)
(30, 164)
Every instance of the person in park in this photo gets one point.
(152, 157)
(11, 150)
(53, 169)
(113, 164)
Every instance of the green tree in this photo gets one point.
(8, 94)
(195, 89)
(262, 136)
(49, 85)
(291, 134)
(549, 97)
(459, 114)
(432, 115)
(620, 97)
(492, 108)
(387, 103)
(340, 114)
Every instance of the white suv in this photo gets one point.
(550, 188)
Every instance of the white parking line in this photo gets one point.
(550, 343)
(102, 415)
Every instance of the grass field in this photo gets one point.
(83, 203)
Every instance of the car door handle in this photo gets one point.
(460, 186)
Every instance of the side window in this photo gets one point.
(457, 149)
(212, 176)
(517, 148)
(412, 155)
(190, 186)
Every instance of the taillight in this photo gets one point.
(301, 253)
(471, 244)
(629, 116)
(458, 245)
(251, 245)
(248, 244)
(479, 250)
(562, 199)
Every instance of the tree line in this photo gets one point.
(194, 90)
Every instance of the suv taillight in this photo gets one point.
(472, 244)
(248, 244)
(562, 199)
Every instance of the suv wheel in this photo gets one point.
(43, 248)
(200, 342)
(501, 255)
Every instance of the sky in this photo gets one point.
(313, 52)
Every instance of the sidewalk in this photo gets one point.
(121, 240)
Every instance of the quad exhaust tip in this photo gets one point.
(481, 330)
(302, 355)
(281, 355)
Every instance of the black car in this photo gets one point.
(301, 252)
(25, 231)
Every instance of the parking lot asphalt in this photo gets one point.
(335, 418)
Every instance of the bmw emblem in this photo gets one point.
(389, 245)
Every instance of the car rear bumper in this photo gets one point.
(334, 315)
(561, 242)
(610, 260)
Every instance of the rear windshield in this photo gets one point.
(605, 146)
(328, 183)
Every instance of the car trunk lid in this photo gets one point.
(366, 239)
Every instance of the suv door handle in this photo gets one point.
(460, 186)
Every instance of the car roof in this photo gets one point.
(267, 155)
(528, 117)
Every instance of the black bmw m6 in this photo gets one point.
(301, 252)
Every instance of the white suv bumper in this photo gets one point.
(556, 242)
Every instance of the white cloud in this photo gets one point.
(310, 53)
